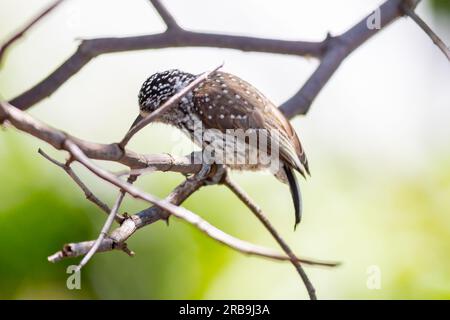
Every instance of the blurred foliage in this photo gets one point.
(441, 7)
(407, 231)
(37, 216)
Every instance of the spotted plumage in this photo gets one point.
(225, 102)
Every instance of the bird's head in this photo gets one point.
(158, 88)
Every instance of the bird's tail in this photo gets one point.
(295, 192)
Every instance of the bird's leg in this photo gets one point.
(204, 171)
(211, 173)
(217, 174)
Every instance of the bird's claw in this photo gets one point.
(212, 173)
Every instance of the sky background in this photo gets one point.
(377, 139)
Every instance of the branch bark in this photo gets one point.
(165, 15)
(162, 212)
(88, 193)
(331, 51)
(58, 139)
(433, 36)
(97, 151)
(92, 48)
(103, 233)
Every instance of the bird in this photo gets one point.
(221, 103)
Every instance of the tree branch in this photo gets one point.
(88, 193)
(433, 36)
(164, 208)
(165, 15)
(81, 248)
(153, 214)
(104, 230)
(240, 193)
(336, 50)
(173, 37)
(92, 48)
(98, 151)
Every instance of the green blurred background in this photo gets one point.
(377, 137)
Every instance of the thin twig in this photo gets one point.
(166, 106)
(87, 192)
(167, 17)
(240, 193)
(165, 205)
(18, 34)
(73, 250)
(81, 248)
(433, 36)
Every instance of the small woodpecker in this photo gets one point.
(225, 102)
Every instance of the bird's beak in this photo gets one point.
(136, 121)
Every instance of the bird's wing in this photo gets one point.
(225, 101)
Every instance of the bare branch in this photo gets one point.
(26, 123)
(240, 193)
(433, 36)
(167, 17)
(336, 49)
(332, 52)
(165, 205)
(103, 232)
(129, 226)
(98, 151)
(72, 250)
(167, 105)
(19, 34)
(88, 193)
(154, 214)
(92, 48)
